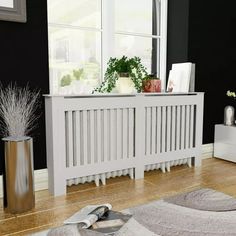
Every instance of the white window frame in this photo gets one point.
(108, 37)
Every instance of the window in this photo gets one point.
(84, 34)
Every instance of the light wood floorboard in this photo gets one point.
(122, 193)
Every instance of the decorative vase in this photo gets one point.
(18, 175)
(124, 84)
(229, 118)
(152, 86)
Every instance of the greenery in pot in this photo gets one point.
(78, 73)
(123, 67)
(152, 76)
(67, 79)
(231, 94)
(151, 84)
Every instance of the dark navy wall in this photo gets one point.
(212, 46)
(24, 59)
(177, 43)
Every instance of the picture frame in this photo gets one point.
(181, 78)
(13, 10)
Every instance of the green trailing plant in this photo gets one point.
(124, 66)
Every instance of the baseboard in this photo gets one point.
(40, 179)
(41, 176)
(207, 151)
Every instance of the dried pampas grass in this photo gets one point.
(18, 110)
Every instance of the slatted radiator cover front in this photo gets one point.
(97, 137)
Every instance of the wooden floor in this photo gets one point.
(121, 193)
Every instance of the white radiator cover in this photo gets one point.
(92, 138)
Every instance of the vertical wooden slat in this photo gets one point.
(173, 129)
(158, 143)
(69, 139)
(125, 133)
(198, 129)
(77, 137)
(66, 140)
(153, 128)
(178, 128)
(131, 132)
(118, 130)
(187, 127)
(148, 131)
(85, 137)
(115, 134)
(145, 131)
(105, 135)
(109, 134)
(182, 126)
(168, 129)
(112, 134)
(92, 137)
(99, 136)
(191, 126)
(163, 129)
(88, 137)
(95, 137)
(74, 138)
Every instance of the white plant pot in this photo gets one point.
(125, 85)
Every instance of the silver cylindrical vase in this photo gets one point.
(18, 175)
(229, 117)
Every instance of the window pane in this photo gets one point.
(138, 16)
(86, 13)
(7, 3)
(145, 48)
(74, 60)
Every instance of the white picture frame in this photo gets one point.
(13, 10)
(179, 78)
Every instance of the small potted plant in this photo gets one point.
(231, 94)
(125, 74)
(17, 113)
(151, 84)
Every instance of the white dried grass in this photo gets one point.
(17, 110)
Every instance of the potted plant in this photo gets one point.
(17, 113)
(152, 84)
(125, 73)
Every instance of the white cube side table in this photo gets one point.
(225, 142)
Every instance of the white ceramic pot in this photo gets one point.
(125, 85)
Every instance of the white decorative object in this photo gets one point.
(229, 118)
(92, 138)
(179, 77)
(225, 142)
